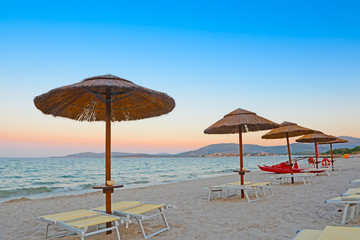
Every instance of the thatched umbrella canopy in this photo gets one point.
(337, 140)
(105, 98)
(286, 130)
(315, 137)
(240, 121)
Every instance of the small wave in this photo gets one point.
(44, 183)
(67, 176)
(23, 192)
(19, 192)
(139, 182)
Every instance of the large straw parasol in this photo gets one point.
(286, 130)
(240, 121)
(316, 138)
(105, 98)
(337, 140)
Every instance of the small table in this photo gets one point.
(108, 189)
(241, 172)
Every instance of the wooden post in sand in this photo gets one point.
(241, 173)
(290, 162)
(108, 154)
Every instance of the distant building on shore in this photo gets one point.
(262, 154)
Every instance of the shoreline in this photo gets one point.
(293, 207)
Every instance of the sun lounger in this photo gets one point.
(350, 202)
(246, 188)
(140, 211)
(356, 181)
(307, 178)
(317, 171)
(249, 188)
(78, 222)
(329, 233)
(220, 189)
(307, 234)
(264, 186)
(351, 191)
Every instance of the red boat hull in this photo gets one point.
(283, 168)
(276, 169)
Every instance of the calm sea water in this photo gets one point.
(44, 177)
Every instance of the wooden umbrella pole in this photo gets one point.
(332, 157)
(108, 154)
(241, 162)
(290, 162)
(316, 156)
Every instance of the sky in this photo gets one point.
(294, 61)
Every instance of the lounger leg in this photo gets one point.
(164, 218)
(346, 208)
(263, 188)
(247, 195)
(352, 212)
(117, 230)
(209, 198)
(304, 180)
(47, 230)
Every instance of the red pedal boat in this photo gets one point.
(281, 168)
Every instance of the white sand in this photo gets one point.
(294, 207)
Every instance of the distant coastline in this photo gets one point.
(228, 150)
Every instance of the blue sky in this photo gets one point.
(284, 60)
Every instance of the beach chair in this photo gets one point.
(350, 202)
(351, 191)
(79, 222)
(317, 171)
(307, 178)
(140, 211)
(356, 181)
(307, 234)
(247, 190)
(252, 187)
(220, 189)
(329, 233)
(264, 186)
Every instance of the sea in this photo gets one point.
(46, 177)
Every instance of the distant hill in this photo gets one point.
(231, 148)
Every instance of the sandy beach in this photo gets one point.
(292, 208)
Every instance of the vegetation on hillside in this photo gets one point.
(341, 151)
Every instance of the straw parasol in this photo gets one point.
(286, 130)
(105, 98)
(240, 121)
(337, 140)
(316, 138)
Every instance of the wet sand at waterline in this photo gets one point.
(294, 207)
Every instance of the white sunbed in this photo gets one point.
(307, 178)
(79, 222)
(317, 171)
(247, 187)
(350, 202)
(220, 189)
(351, 191)
(329, 233)
(307, 234)
(140, 211)
(356, 181)
(252, 188)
